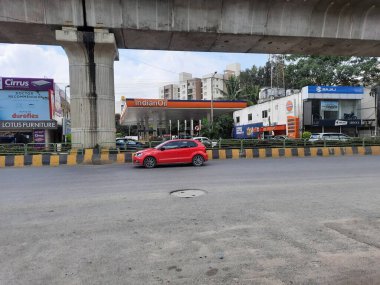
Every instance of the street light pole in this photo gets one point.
(65, 114)
(376, 110)
(374, 92)
(212, 100)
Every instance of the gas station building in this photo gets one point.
(158, 117)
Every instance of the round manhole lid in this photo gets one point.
(188, 193)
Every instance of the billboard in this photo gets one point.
(247, 131)
(58, 96)
(336, 89)
(27, 84)
(25, 105)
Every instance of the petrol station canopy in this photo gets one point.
(160, 111)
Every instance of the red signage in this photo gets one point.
(289, 106)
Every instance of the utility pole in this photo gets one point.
(64, 124)
(374, 93)
(212, 100)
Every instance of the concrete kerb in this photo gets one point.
(94, 157)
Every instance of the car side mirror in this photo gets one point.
(162, 148)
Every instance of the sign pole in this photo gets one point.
(178, 129)
(170, 129)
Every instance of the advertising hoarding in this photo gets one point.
(25, 105)
(26, 84)
(57, 105)
(247, 131)
(39, 136)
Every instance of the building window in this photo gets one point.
(265, 114)
(237, 120)
(249, 117)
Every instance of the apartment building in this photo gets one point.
(170, 92)
(210, 86)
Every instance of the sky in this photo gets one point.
(138, 73)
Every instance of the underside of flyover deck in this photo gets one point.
(90, 31)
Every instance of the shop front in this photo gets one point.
(26, 110)
(332, 109)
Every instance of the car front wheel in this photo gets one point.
(198, 160)
(150, 162)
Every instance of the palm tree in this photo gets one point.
(233, 89)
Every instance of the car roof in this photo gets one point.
(328, 134)
(180, 140)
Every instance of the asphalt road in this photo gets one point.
(268, 221)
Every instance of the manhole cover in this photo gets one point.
(188, 193)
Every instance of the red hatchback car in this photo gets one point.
(172, 152)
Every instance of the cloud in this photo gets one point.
(138, 73)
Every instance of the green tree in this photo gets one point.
(120, 129)
(330, 70)
(222, 127)
(233, 88)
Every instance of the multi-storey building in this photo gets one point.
(170, 92)
(211, 86)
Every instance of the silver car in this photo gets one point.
(329, 137)
(206, 141)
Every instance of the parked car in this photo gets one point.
(206, 141)
(329, 137)
(172, 152)
(280, 138)
(128, 144)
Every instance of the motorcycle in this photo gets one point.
(349, 116)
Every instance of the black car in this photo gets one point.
(128, 144)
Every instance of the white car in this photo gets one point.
(329, 137)
(206, 141)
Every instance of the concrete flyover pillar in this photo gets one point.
(91, 60)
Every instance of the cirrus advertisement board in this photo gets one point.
(25, 105)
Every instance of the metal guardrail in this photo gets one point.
(39, 148)
(57, 148)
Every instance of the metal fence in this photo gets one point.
(38, 148)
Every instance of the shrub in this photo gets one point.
(306, 135)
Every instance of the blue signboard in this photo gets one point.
(336, 89)
(24, 105)
(246, 131)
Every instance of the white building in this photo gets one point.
(232, 69)
(119, 105)
(315, 109)
(189, 88)
(212, 85)
(170, 92)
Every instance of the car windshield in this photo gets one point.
(314, 136)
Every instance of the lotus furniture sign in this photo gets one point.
(13, 125)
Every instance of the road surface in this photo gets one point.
(260, 221)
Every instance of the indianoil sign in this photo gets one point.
(150, 103)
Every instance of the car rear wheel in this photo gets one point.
(150, 162)
(198, 160)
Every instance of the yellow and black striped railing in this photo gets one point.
(104, 156)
